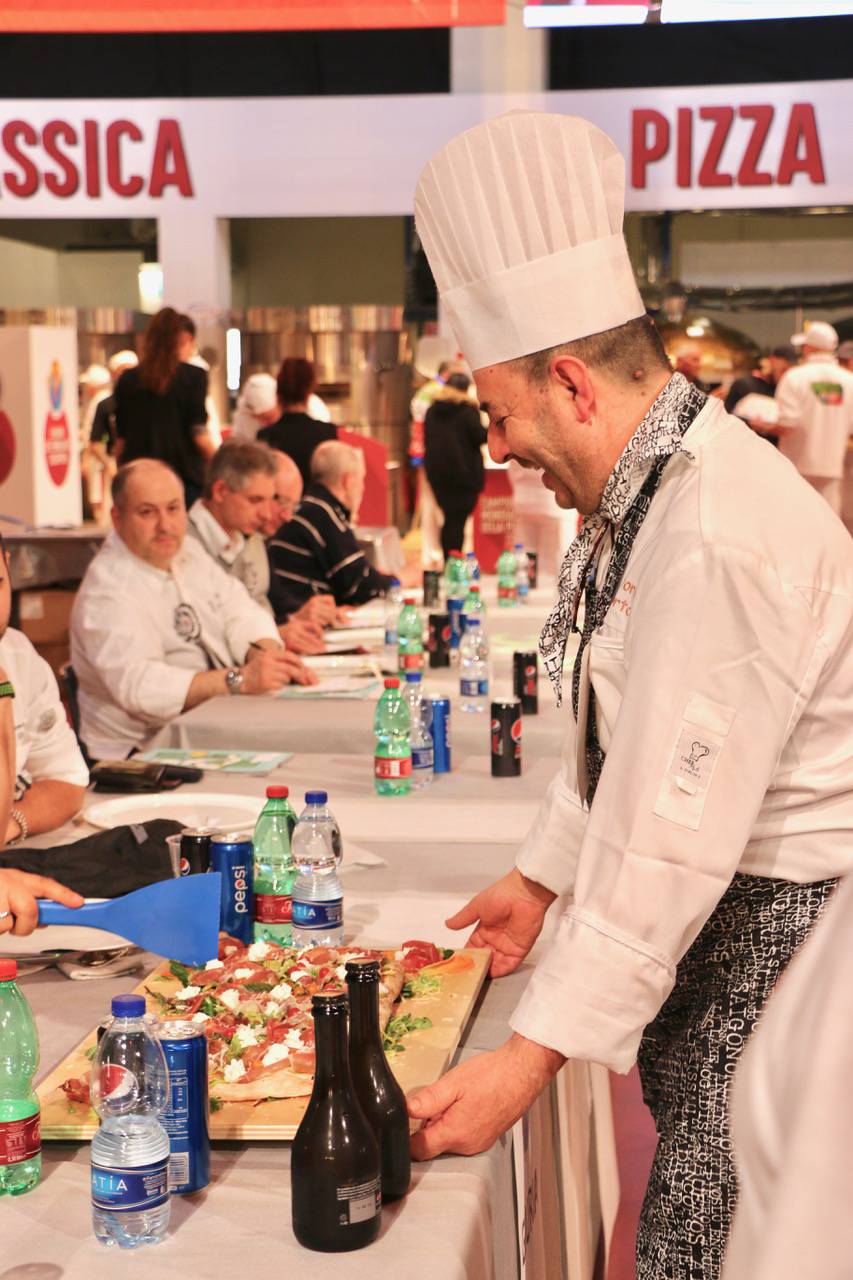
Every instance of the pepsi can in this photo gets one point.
(232, 855)
(525, 681)
(438, 642)
(186, 1116)
(506, 738)
(454, 609)
(195, 851)
(440, 730)
(432, 588)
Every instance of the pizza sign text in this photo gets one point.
(694, 143)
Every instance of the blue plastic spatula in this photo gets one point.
(176, 918)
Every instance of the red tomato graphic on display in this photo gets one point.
(7, 447)
(57, 447)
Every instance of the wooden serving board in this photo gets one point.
(424, 1057)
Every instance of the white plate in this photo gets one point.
(191, 808)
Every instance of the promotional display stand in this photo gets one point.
(39, 449)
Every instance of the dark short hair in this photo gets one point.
(628, 354)
(459, 381)
(237, 461)
(296, 380)
(787, 351)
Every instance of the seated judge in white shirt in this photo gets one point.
(228, 521)
(19, 891)
(157, 628)
(50, 775)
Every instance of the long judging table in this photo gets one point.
(463, 1218)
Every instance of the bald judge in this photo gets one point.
(158, 627)
(704, 807)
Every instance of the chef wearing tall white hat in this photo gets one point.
(704, 806)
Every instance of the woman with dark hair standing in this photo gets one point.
(160, 405)
(453, 443)
(296, 432)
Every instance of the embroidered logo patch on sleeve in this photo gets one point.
(693, 760)
(701, 737)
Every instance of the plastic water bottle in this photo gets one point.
(522, 573)
(275, 869)
(317, 810)
(393, 602)
(472, 567)
(474, 672)
(20, 1138)
(507, 582)
(410, 637)
(130, 1151)
(420, 738)
(392, 759)
(454, 577)
(318, 898)
(474, 607)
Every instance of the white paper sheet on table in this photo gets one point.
(336, 686)
(355, 637)
(340, 664)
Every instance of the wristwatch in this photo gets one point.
(21, 819)
(234, 680)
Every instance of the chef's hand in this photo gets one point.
(302, 637)
(268, 669)
(319, 609)
(468, 1109)
(509, 917)
(18, 893)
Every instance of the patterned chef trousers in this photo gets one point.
(688, 1057)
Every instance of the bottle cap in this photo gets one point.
(128, 1006)
(392, 682)
(316, 797)
(409, 600)
(413, 677)
(456, 553)
(278, 793)
(362, 970)
(395, 582)
(8, 970)
(475, 587)
(519, 546)
(472, 622)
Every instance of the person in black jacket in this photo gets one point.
(453, 440)
(317, 551)
(160, 405)
(296, 432)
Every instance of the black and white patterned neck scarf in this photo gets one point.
(654, 442)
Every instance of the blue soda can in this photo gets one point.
(457, 626)
(232, 855)
(440, 730)
(186, 1116)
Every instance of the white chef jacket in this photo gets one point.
(139, 635)
(816, 399)
(792, 1118)
(45, 746)
(723, 675)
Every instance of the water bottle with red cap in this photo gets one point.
(20, 1138)
(275, 869)
(392, 760)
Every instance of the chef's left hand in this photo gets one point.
(468, 1109)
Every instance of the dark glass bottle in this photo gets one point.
(334, 1166)
(382, 1100)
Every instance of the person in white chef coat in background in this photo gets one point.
(158, 627)
(50, 773)
(815, 412)
(704, 807)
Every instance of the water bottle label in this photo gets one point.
(319, 915)
(130, 1190)
(390, 637)
(411, 661)
(359, 1202)
(20, 1139)
(422, 758)
(273, 908)
(523, 589)
(474, 688)
(506, 593)
(392, 766)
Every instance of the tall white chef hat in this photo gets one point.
(521, 220)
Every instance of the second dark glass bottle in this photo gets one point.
(382, 1100)
(334, 1166)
